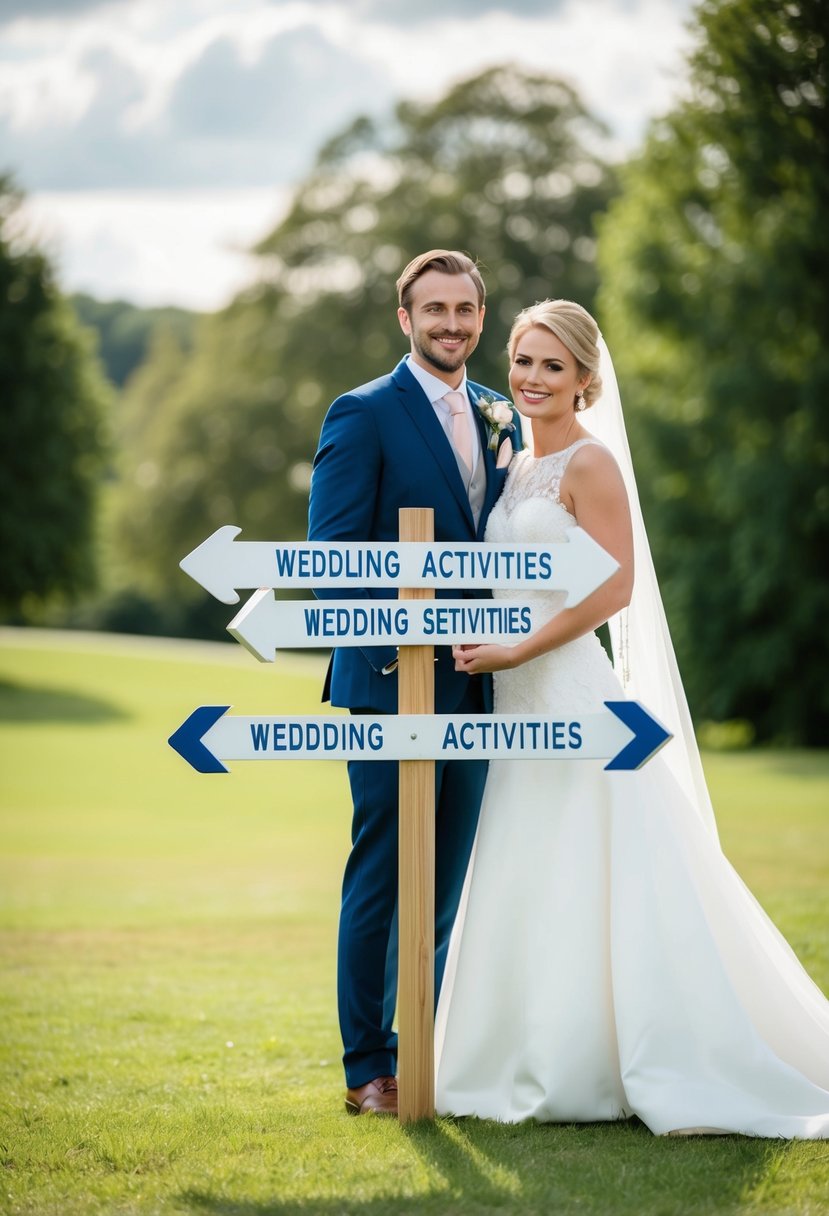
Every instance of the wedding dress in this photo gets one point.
(607, 961)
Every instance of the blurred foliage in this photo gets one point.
(506, 166)
(735, 735)
(714, 261)
(52, 433)
(125, 331)
(715, 264)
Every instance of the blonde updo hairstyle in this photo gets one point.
(572, 325)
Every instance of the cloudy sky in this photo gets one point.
(157, 140)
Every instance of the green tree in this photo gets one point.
(125, 331)
(51, 429)
(505, 166)
(715, 262)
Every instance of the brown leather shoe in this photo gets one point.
(377, 1097)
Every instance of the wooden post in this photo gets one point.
(416, 907)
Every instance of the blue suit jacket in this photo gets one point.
(382, 448)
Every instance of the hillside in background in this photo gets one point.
(125, 331)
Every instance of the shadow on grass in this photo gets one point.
(22, 703)
(475, 1166)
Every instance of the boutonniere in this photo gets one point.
(497, 414)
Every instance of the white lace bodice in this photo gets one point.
(576, 677)
(538, 477)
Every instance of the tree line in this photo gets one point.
(704, 258)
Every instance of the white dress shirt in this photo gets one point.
(435, 389)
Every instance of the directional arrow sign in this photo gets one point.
(265, 623)
(623, 731)
(221, 564)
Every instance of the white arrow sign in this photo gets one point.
(266, 624)
(221, 564)
(623, 732)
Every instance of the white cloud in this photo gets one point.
(230, 113)
(624, 60)
(177, 247)
(231, 100)
(114, 96)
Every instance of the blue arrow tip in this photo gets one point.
(187, 740)
(648, 735)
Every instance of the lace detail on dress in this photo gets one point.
(538, 477)
(575, 677)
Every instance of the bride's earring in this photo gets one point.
(580, 400)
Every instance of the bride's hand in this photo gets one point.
(474, 659)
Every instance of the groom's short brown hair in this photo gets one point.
(447, 261)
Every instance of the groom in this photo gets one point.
(413, 438)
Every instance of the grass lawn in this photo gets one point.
(169, 1034)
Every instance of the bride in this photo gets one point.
(607, 961)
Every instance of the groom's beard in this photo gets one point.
(432, 352)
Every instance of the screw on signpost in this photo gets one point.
(416, 987)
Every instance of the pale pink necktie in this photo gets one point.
(461, 430)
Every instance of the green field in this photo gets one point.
(169, 1034)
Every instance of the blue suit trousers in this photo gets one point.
(367, 952)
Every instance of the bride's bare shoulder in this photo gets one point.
(593, 459)
(592, 474)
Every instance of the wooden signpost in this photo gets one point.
(624, 732)
(416, 869)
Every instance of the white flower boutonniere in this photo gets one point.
(498, 417)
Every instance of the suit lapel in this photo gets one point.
(419, 408)
(495, 477)
(483, 434)
(490, 458)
